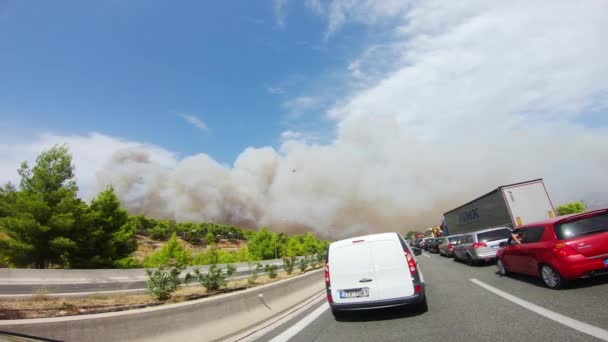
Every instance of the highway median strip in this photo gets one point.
(42, 306)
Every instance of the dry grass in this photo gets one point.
(41, 305)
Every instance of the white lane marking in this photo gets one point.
(265, 327)
(559, 318)
(303, 323)
(426, 255)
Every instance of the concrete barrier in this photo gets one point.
(16, 276)
(201, 320)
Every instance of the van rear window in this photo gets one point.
(585, 226)
(494, 235)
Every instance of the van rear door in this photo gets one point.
(393, 278)
(351, 270)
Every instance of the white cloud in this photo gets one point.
(298, 106)
(314, 5)
(280, 12)
(195, 121)
(276, 90)
(473, 95)
(291, 135)
(89, 153)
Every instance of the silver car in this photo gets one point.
(446, 246)
(481, 245)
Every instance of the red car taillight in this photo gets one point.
(450, 246)
(418, 288)
(411, 263)
(479, 244)
(327, 274)
(563, 250)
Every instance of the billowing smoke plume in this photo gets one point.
(467, 96)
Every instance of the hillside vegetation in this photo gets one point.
(43, 224)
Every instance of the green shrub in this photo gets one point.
(164, 280)
(289, 263)
(128, 262)
(303, 263)
(254, 273)
(570, 208)
(319, 258)
(172, 250)
(215, 278)
(271, 270)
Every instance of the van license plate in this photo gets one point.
(354, 293)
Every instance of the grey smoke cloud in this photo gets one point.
(474, 96)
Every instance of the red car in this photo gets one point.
(560, 249)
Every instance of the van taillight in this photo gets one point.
(449, 246)
(411, 263)
(327, 274)
(479, 244)
(563, 250)
(418, 288)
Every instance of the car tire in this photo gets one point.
(502, 269)
(455, 257)
(423, 307)
(338, 315)
(552, 278)
(470, 260)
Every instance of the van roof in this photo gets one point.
(371, 237)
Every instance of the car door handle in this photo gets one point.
(365, 280)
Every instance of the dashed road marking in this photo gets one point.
(303, 323)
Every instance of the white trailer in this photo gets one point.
(510, 205)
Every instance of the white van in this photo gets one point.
(373, 271)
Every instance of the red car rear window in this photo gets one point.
(586, 226)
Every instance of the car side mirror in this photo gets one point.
(417, 251)
(503, 244)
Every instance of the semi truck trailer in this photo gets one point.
(510, 205)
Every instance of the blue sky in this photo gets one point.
(404, 108)
(133, 71)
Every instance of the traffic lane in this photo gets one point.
(585, 300)
(458, 311)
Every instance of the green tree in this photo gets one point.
(410, 235)
(209, 238)
(309, 244)
(262, 245)
(293, 247)
(570, 208)
(172, 250)
(40, 219)
(106, 235)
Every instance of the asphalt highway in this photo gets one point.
(468, 304)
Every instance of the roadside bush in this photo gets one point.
(289, 263)
(271, 270)
(215, 278)
(303, 263)
(172, 250)
(319, 258)
(254, 273)
(128, 262)
(164, 280)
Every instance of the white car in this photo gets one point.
(373, 271)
